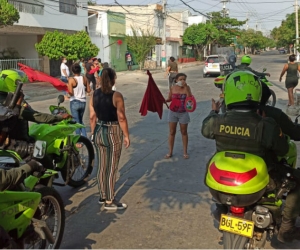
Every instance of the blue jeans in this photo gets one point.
(77, 111)
(65, 80)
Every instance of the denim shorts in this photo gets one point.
(182, 118)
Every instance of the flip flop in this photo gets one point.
(186, 156)
(168, 156)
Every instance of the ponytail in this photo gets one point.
(107, 80)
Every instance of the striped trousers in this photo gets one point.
(108, 141)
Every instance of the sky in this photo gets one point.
(263, 15)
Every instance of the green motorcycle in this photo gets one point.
(75, 163)
(250, 201)
(33, 215)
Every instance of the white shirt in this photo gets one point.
(79, 90)
(64, 66)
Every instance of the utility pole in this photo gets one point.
(224, 7)
(297, 29)
(164, 48)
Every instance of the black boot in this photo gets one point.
(288, 231)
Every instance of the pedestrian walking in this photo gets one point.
(64, 74)
(291, 81)
(128, 60)
(172, 71)
(77, 86)
(90, 74)
(178, 114)
(82, 66)
(110, 128)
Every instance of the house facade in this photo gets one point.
(36, 18)
(107, 30)
(138, 17)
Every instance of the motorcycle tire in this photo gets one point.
(87, 168)
(272, 99)
(51, 207)
(234, 241)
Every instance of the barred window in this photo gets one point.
(68, 6)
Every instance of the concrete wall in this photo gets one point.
(53, 18)
(143, 17)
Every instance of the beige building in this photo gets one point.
(176, 23)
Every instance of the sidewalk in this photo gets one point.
(34, 89)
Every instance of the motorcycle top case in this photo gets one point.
(237, 173)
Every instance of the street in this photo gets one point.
(168, 204)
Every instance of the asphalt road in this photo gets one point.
(168, 204)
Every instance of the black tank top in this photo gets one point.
(103, 106)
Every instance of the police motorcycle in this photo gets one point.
(32, 214)
(226, 69)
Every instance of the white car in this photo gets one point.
(212, 65)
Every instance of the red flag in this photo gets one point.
(153, 99)
(35, 75)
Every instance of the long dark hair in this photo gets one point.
(107, 80)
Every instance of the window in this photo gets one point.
(68, 6)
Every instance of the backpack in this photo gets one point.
(190, 104)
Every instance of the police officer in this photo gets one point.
(245, 63)
(241, 128)
(18, 136)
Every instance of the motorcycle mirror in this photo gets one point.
(264, 70)
(60, 99)
(39, 149)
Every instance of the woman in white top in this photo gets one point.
(64, 72)
(77, 86)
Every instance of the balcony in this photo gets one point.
(31, 8)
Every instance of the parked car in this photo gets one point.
(282, 51)
(257, 52)
(212, 65)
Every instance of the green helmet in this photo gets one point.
(246, 59)
(8, 79)
(242, 88)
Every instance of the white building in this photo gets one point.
(196, 19)
(39, 16)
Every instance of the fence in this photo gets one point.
(13, 63)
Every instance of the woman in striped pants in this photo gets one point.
(110, 129)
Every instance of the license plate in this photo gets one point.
(226, 67)
(215, 66)
(236, 225)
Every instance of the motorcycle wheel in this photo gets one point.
(234, 241)
(51, 210)
(272, 99)
(83, 164)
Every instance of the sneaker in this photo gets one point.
(101, 201)
(115, 206)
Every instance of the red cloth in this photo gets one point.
(153, 99)
(92, 71)
(35, 75)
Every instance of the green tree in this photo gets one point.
(57, 44)
(8, 14)
(140, 44)
(253, 39)
(285, 34)
(200, 35)
(228, 27)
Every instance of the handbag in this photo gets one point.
(190, 104)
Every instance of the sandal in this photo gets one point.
(186, 156)
(168, 156)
